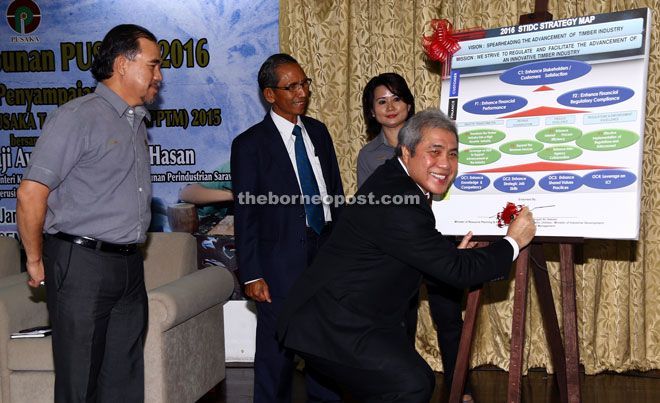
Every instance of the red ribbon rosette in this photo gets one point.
(443, 43)
(440, 44)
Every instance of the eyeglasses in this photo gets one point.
(296, 86)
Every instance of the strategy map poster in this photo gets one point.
(550, 115)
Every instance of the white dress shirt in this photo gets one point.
(286, 131)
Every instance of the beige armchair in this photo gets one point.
(184, 349)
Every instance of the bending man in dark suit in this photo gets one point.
(275, 239)
(346, 314)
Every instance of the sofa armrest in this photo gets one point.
(11, 256)
(22, 307)
(179, 300)
(14, 279)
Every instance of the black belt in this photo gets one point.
(91, 243)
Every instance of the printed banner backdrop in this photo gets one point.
(212, 51)
(550, 115)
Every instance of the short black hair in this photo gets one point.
(397, 85)
(267, 76)
(120, 40)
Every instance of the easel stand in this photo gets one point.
(566, 361)
(565, 357)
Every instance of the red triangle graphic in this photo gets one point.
(544, 88)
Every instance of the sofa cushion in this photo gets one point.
(32, 387)
(30, 354)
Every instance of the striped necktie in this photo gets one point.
(310, 188)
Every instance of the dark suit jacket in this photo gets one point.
(270, 238)
(350, 305)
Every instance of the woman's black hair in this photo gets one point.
(397, 85)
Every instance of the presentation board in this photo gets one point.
(550, 115)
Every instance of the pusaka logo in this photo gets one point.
(24, 17)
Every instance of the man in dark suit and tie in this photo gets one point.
(346, 314)
(281, 169)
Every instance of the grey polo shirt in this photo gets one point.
(93, 156)
(373, 155)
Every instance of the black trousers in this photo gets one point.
(445, 306)
(273, 364)
(411, 382)
(98, 310)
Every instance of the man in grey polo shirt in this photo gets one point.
(88, 190)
